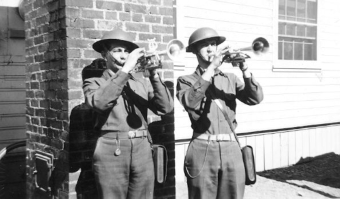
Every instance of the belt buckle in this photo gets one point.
(139, 132)
(218, 138)
(132, 134)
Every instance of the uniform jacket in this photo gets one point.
(196, 94)
(122, 100)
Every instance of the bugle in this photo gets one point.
(259, 46)
(174, 50)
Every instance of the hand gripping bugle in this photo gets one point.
(174, 50)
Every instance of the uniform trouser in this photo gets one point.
(129, 175)
(214, 170)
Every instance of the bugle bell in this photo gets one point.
(174, 50)
(259, 45)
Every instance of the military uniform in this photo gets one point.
(213, 163)
(122, 160)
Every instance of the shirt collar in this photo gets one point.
(201, 70)
(109, 73)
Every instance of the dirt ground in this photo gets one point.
(312, 178)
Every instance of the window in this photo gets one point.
(297, 30)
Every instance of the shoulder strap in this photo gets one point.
(218, 103)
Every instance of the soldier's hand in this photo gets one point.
(153, 72)
(132, 59)
(243, 66)
(220, 52)
(240, 61)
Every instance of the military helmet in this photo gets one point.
(202, 34)
(114, 36)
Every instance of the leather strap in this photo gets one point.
(218, 103)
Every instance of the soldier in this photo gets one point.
(213, 165)
(122, 159)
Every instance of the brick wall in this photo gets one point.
(47, 92)
(59, 38)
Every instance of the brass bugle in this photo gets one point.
(259, 46)
(174, 49)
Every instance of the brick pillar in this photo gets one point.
(59, 38)
(48, 95)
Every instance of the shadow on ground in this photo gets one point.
(310, 173)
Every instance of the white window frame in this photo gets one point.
(294, 65)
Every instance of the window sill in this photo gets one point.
(297, 66)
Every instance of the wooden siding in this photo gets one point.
(283, 148)
(275, 149)
(12, 77)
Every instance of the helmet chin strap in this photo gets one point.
(203, 59)
(112, 59)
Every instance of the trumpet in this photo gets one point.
(175, 50)
(259, 46)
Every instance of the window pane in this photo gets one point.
(282, 9)
(291, 29)
(282, 17)
(282, 27)
(300, 30)
(311, 11)
(301, 10)
(291, 10)
(311, 31)
(308, 52)
(280, 50)
(288, 51)
(298, 51)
